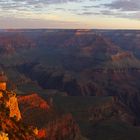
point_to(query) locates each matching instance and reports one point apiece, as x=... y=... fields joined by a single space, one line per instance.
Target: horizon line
x=29 y=28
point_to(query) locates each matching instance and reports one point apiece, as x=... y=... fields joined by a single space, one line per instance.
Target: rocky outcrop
x=33 y=101
x=51 y=124
x=12 y=104
x=11 y=125
x=34 y=110
x=64 y=128
x=3 y=136
x=9 y=44
x=112 y=110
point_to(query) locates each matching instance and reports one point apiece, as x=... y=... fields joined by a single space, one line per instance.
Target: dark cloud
x=124 y=5
x=116 y=8
x=123 y=8
x=114 y=14
x=91 y=6
x=88 y=13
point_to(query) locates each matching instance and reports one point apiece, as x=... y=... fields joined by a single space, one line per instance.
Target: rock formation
x=64 y=128
x=51 y=124
x=11 y=125
x=12 y=104
x=3 y=136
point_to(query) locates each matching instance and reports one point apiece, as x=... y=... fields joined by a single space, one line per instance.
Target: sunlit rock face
x=11 y=124
x=3 y=136
x=12 y=104
x=10 y=98
x=33 y=101
x=3 y=86
x=3 y=80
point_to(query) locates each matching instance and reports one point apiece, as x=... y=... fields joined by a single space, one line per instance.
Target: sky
x=81 y=14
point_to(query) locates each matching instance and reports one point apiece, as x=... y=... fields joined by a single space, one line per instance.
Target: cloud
x=123 y=8
x=30 y=4
x=115 y=8
x=36 y=8
x=124 y=5
x=34 y=2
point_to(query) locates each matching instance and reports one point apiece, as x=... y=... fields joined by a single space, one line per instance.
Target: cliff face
x=10 y=43
x=12 y=104
x=34 y=110
x=64 y=128
x=33 y=101
x=51 y=124
x=112 y=110
x=3 y=136
x=11 y=125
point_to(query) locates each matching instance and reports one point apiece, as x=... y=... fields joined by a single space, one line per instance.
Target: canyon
x=74 y=84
